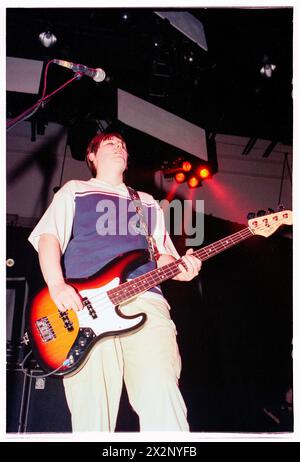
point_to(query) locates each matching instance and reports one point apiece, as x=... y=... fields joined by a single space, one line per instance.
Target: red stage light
x=203 y=172
x=180 y=177
x=186 y=166
x=193 y=182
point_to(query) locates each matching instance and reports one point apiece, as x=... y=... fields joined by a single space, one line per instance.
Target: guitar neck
x=132 y=288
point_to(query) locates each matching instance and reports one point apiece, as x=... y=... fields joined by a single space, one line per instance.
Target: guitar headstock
x=268 y=224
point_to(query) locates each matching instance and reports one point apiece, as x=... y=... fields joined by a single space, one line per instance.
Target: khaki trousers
x=149 y=362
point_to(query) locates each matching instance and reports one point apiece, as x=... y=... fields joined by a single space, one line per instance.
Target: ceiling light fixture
x=268 y=68
x=47 y=38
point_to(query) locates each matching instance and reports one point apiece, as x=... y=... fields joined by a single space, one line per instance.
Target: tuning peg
x=261 y=213
x=270 y=210
x=280 y=207
x=250 y=215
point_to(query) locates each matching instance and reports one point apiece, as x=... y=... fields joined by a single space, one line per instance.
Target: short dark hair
x=94 y=144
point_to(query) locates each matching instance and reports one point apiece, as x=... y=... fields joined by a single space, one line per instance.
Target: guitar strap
x=153 y=251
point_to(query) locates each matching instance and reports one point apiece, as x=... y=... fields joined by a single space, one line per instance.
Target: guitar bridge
x=45 y=329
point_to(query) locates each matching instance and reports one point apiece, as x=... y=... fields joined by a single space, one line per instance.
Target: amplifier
x=35 y=404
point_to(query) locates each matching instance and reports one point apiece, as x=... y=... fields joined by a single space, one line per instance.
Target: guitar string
x=167 y=270
x=216 y=248
x=55 y=346
x=61 y=329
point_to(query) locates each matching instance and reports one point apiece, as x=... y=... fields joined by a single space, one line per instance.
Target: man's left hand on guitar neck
x=189 y=271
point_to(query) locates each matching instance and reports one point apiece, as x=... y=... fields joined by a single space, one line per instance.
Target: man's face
x=111 y=154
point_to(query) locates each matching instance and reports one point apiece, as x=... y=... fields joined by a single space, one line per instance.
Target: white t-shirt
x=94 y=222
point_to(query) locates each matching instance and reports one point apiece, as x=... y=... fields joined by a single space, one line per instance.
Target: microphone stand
x=41 y=102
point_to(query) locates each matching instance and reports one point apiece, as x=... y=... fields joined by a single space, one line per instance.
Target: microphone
x=97 y=74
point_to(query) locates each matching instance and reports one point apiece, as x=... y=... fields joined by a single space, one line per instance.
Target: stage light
x=180 y=177
x=193 y=182
x=171 y=167
x=186 y=166
x=203 y=173
x=193 y=172
x=268 y=68
x=47 y=38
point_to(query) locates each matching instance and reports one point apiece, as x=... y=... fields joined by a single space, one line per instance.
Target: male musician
x=89 y=223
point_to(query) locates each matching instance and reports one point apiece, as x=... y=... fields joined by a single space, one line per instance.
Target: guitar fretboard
x=130 y=289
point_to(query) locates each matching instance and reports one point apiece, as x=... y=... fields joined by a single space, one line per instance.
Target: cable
x=35 y=107
x=41 y=102
x=23 y=115
x=24 y=370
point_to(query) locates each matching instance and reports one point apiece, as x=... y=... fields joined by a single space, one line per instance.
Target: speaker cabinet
x=36 y=404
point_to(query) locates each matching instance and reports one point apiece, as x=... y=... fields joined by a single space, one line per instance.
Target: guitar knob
x=82 y=341
x=280 y=207
x=87 y=333
x=270 y=210
x=250 y=215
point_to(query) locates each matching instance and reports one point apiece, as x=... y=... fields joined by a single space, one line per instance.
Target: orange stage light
x=180 y=177
x=203 y=172
x=193 y=182
x=186 y=166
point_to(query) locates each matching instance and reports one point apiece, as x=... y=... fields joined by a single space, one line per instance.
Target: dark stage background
x=234 y=326
x=234 y=321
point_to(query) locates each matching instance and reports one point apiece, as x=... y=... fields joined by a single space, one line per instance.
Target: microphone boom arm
x=33 y=109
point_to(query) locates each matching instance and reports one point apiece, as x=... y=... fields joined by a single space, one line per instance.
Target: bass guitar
x=62 y=341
